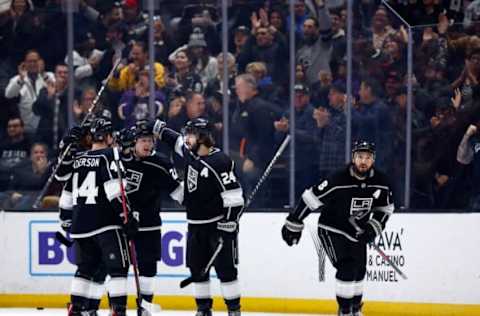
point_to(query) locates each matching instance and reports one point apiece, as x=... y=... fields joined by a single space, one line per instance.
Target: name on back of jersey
x=86 y=162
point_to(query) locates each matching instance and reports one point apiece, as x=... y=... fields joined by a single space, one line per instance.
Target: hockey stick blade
x=63 y=240
x=206 y=270
x=186 y=282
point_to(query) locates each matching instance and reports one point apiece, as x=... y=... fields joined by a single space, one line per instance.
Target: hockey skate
x=344 y=313
x=143 y=312
x=204 y=313
x=234 y=313
x=118 y=311
x=77 y=310
x=357 y=310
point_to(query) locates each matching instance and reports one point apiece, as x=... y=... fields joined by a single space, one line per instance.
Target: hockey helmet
x=143 y=128
x=363 y=145
x=100 y=128
x=202 y=128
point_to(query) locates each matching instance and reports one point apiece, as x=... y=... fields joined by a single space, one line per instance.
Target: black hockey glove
x=130 y=228
x=158 y=127
x=292 y=231
x=127 y=138
x=73 y=137
x=367 y=235
x=66 y=225
x=227 y=230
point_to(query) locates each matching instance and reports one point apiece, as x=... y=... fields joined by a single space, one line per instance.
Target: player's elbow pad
x=311 y=200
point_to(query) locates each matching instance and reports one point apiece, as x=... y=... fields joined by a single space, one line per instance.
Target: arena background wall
x=438 y=252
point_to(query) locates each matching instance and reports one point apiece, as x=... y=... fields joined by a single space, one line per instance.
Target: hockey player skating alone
x=357 y=195
x=213 y=198
x=148 y=175
x=97 y=223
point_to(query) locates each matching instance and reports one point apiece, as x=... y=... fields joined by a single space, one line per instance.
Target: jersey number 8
x=87 y=189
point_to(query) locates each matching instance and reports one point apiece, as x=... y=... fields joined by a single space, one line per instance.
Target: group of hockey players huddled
x=110 y=207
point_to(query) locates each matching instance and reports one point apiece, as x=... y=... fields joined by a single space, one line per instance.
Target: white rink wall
x=438 y=252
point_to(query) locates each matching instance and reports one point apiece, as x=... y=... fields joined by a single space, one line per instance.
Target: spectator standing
x=265 y=45
x=126 y=78
x=372 y=121
x=86 y=59
x=203 y=64
x=316 y=51
x=182 y=77
x=330 y=132
x=27 y=85
x=52 y=108
x=253 y=129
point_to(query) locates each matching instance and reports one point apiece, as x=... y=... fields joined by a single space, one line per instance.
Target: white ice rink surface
x=63 y=312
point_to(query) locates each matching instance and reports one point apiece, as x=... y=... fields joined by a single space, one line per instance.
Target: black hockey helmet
x=143 y=128
x=100 y=128
x=203 y=129
x=363 y=145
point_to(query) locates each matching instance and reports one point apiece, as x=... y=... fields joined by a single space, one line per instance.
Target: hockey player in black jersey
x=97 y=222
x=356 y=196
x=148 y=176
x=214 y=199
x=80 y=140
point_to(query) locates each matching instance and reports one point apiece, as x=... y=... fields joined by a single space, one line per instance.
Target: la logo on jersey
x=134 y=178
x=360 y=206
x=192 y=177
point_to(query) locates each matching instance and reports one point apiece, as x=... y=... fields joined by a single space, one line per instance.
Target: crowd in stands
x=187 y=74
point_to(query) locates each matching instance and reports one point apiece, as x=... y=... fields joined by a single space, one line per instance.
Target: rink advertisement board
x=438 y=252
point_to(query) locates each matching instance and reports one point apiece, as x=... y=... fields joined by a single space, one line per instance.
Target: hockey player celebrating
x=213 y=199
x=148 y=176
x=97 y=222
x=355 y=203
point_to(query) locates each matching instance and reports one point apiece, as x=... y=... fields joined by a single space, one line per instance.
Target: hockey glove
x=292 y=231
x=66 y=225
x=127 y=138
x=130 y=228
x=74 y=135
x=370 y=232
x=227 y=230
x=158 y=127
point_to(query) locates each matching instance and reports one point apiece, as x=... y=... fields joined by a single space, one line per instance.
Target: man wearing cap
x=240 y=37
x=304 y=137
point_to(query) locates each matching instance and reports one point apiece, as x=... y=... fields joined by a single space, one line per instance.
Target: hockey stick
x=141 y=303
x=63 y=240
x=380 y=251
x=320 y=253
x=64 y=154
x=266 y=173
x=206 y=270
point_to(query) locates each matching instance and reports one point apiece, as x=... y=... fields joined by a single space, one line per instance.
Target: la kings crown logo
x=134 y=178
x=192 y=177
x=360 y=206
